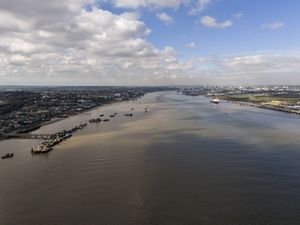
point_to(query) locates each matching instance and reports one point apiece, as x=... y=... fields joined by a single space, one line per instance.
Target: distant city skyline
x=149 y=42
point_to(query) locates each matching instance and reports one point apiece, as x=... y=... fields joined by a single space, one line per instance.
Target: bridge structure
x=27 y=136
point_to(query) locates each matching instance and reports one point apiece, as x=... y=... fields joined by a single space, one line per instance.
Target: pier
x=28 y=136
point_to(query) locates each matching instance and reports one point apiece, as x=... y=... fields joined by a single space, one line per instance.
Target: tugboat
x=7 y=155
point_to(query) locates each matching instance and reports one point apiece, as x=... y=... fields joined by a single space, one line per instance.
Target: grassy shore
x=278 y=103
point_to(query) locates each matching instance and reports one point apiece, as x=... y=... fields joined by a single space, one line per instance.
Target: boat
x=7 y=155
x=41 y=149
x=37 y=149
x=215 y=100
x=58 y=137
x=68 y=135
x=82 y=125
x=98 y=120
x=128 y=114
x=46 y=149
x=51 y=143
x=113 y=115
x=101 y=115
x=105 y=120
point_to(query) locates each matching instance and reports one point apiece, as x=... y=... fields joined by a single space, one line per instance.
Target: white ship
x=215 y=100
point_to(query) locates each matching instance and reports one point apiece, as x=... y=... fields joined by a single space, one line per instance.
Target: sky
x=150 y=42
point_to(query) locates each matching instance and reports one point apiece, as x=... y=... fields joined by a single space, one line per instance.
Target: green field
x=263 y=99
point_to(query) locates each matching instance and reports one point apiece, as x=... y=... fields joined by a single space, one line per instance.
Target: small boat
x=7 y=155
x=41 y=149
x=101 y=115
x=113 y=115
x=128 y=114
x=36 y=149
x=105 y=120
x=215 y=100
x=98 y=120
x=68 y=135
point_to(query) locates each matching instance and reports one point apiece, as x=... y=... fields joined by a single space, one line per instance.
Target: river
x=184 y=162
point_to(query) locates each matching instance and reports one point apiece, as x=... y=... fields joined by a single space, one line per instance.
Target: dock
x=27 y=136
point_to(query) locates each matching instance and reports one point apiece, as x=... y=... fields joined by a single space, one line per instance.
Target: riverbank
x=58 y=119
x=279 y=108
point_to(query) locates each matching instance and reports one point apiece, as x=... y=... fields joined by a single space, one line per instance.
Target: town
x=24 y=109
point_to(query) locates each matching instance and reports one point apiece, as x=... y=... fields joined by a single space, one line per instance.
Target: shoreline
x=250 y=104
x=57 y=119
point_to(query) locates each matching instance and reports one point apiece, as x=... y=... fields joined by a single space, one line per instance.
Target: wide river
x=185 y=162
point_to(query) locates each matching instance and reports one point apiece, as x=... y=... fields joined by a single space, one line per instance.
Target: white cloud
x=249 y=69
x=190 y=45
x=147 y=3
x=165 y=18
x=195 y=5
x=57 y=42
x=263 y=63
x=200 y=5
x=238 y=15
x=273 y=26
x=211 y=22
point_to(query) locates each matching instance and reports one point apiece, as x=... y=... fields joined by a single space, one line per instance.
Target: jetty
x=28 y=136
x=54 y=139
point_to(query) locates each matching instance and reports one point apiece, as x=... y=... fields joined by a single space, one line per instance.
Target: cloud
x=252 y=69
x=62 y=43
x=211 y=22
x=200 y=5
x=190 y=45
x=165 y=18
x=238 y=15
x=58 y=42
x=134 y=4
x=262 y=63
x=195 y=5
x=273 y=26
